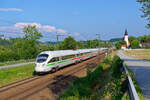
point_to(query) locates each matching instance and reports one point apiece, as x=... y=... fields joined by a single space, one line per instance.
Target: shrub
x=135 y=44
x=118 y=45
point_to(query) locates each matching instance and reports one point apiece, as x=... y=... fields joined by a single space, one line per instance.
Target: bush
x=135 y=44
x=118 y=45
x=6 y=54
x=104 y=81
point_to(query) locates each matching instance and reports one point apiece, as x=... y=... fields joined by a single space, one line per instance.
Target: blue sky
x=81 y=19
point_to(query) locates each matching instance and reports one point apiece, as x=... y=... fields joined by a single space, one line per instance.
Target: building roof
x=126 y=32
x=145 y=44
x=59 y=53
x=124 y=46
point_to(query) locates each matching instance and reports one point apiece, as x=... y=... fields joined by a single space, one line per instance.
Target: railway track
x=23 y=89
x=17 y=83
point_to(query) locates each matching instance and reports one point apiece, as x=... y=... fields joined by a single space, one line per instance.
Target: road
x=141 y=68
x=15 y=65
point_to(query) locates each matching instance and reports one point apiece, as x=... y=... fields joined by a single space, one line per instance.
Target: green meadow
x=15 y=74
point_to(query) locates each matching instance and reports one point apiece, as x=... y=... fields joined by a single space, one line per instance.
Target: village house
x=145 y=45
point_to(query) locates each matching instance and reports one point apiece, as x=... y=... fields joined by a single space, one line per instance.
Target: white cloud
x=11 y=10
x=61 y=31
x=22 y=25
x=76 y=34
x=43 y=28
x=17 y=28
x=48 y=28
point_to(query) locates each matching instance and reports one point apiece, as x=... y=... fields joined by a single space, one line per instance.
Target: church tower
x=126 y=38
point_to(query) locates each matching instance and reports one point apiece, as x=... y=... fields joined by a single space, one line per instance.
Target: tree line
x=134 y=41
x=29 y=47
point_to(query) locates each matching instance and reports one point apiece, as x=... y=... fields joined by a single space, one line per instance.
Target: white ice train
x=52 y=60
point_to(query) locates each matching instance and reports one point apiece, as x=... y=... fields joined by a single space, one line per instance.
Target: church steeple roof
x=126 y=32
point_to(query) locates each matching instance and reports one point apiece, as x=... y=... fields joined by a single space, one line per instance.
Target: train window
x=42 y=57
x=83 y=54
x=87 y=52
x=54 y=59
x=67 y=57
x=78 y=55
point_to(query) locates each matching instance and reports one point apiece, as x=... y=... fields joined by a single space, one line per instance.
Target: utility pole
x=57 y=37
x=98 y=39
x=98 y=42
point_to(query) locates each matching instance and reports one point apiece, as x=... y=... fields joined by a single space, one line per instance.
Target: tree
x=18 y=46
x=95 y=43
x=135 y=44
x=123 y=42
x=132 y=38
x=88 y=44
x=6 y=54
x=146 y=10
x=31 y=36
x=68 y=43
x=118 y=45
x=92 y=43
x=31 y=32
x=145 y=39
x=80 y=45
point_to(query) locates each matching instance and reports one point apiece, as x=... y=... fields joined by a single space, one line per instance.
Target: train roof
x=59 y=53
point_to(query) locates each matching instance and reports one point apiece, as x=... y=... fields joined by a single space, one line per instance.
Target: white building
x=125 y=38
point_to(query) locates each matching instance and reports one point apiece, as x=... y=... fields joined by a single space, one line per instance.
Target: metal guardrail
x=132 y=91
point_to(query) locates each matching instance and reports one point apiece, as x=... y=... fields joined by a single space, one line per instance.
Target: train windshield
x=41 y=58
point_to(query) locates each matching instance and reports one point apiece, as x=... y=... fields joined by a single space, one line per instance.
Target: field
x=14 y=74
x=140 y=54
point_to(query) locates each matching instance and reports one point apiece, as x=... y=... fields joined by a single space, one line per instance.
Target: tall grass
x=105 y=82
x=17 y=73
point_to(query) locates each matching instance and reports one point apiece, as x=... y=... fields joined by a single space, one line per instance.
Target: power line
x=57 y=36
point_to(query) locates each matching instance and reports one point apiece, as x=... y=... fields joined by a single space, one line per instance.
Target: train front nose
x=41 y=62
x=40 y=67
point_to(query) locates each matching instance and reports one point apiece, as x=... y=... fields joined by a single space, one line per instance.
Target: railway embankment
x=48 y=86
x=107 y=81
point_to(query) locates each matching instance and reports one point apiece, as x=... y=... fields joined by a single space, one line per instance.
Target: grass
x=106 y=82
x=140 y=54
x=16 y=62
x=14 y=74
x=137 y=87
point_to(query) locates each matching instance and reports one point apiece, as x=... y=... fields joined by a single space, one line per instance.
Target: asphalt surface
x=141 y=69
x=15 y=65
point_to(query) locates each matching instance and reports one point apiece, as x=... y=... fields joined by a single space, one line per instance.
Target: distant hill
x=111 y=40
x=115 y=39
x=50 y=42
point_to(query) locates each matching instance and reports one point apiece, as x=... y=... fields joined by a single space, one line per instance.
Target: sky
x=82 y=19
